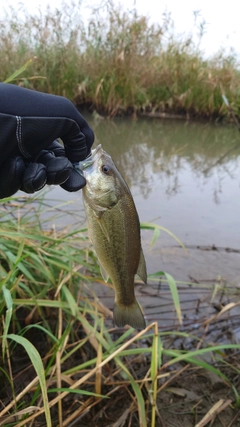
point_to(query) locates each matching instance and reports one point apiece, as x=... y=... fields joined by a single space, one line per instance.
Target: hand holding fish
x=30 y=155
x=114 y=230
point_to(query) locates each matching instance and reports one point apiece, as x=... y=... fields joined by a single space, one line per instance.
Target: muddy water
x=181 y=179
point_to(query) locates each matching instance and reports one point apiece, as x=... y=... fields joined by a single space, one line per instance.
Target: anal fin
x=142 y=270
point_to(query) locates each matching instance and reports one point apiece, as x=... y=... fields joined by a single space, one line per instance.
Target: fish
x=114 y=230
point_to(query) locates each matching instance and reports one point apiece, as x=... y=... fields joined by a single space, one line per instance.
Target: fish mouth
x=93 y=156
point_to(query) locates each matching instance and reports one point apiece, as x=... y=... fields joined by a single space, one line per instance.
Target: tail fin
x=129 y=315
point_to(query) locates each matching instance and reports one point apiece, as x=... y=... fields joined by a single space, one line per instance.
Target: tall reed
x=117 y=62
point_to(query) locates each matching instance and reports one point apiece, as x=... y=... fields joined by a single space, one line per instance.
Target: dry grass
x=117 y=65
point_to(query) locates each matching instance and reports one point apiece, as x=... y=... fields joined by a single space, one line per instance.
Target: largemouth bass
x=114 y=230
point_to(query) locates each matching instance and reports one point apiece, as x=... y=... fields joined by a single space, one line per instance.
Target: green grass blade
x=41 y=328
x=121 y=339
x=175 y=296
x=17 y=73
x=206 y=366
x=38 y=366
x=9 y=304
x=71 y=300
x=138 y=394
x=236 y=393
x=154 y=227
x=179 y=356
x=156 y=234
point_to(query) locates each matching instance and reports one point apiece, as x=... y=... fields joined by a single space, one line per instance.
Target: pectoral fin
x=104 y=274
x=103 y=226
x=142 y=270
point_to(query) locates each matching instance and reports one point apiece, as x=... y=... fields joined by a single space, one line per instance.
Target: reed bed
x=62 y=361
x=117 y=62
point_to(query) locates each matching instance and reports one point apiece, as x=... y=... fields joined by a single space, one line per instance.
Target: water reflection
x=146 y=150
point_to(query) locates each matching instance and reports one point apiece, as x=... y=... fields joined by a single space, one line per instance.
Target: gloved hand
x=30 y=155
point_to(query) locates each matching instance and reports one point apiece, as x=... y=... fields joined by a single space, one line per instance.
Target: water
x=178 y=182
x=169 y=168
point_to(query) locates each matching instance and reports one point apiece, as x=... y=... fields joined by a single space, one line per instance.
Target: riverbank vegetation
x=117 y=62
x=63 y=362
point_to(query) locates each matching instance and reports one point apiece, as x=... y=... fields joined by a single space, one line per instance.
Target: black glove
x=30 y=156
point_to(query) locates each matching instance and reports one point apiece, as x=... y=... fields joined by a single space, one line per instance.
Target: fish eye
x=106 y=169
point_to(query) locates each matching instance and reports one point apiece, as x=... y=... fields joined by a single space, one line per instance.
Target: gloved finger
x=11 y=175
x=75 y=182
x=58 y=169
x=34 y=178
x=57 y=149
x=75 y=154
x=76 y=149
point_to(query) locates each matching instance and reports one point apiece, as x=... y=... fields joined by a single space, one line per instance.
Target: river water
x=182 y=179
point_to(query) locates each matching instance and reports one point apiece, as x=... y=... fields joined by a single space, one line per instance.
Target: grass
x=78 y=366
x=118 y=64
x=62 y=361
